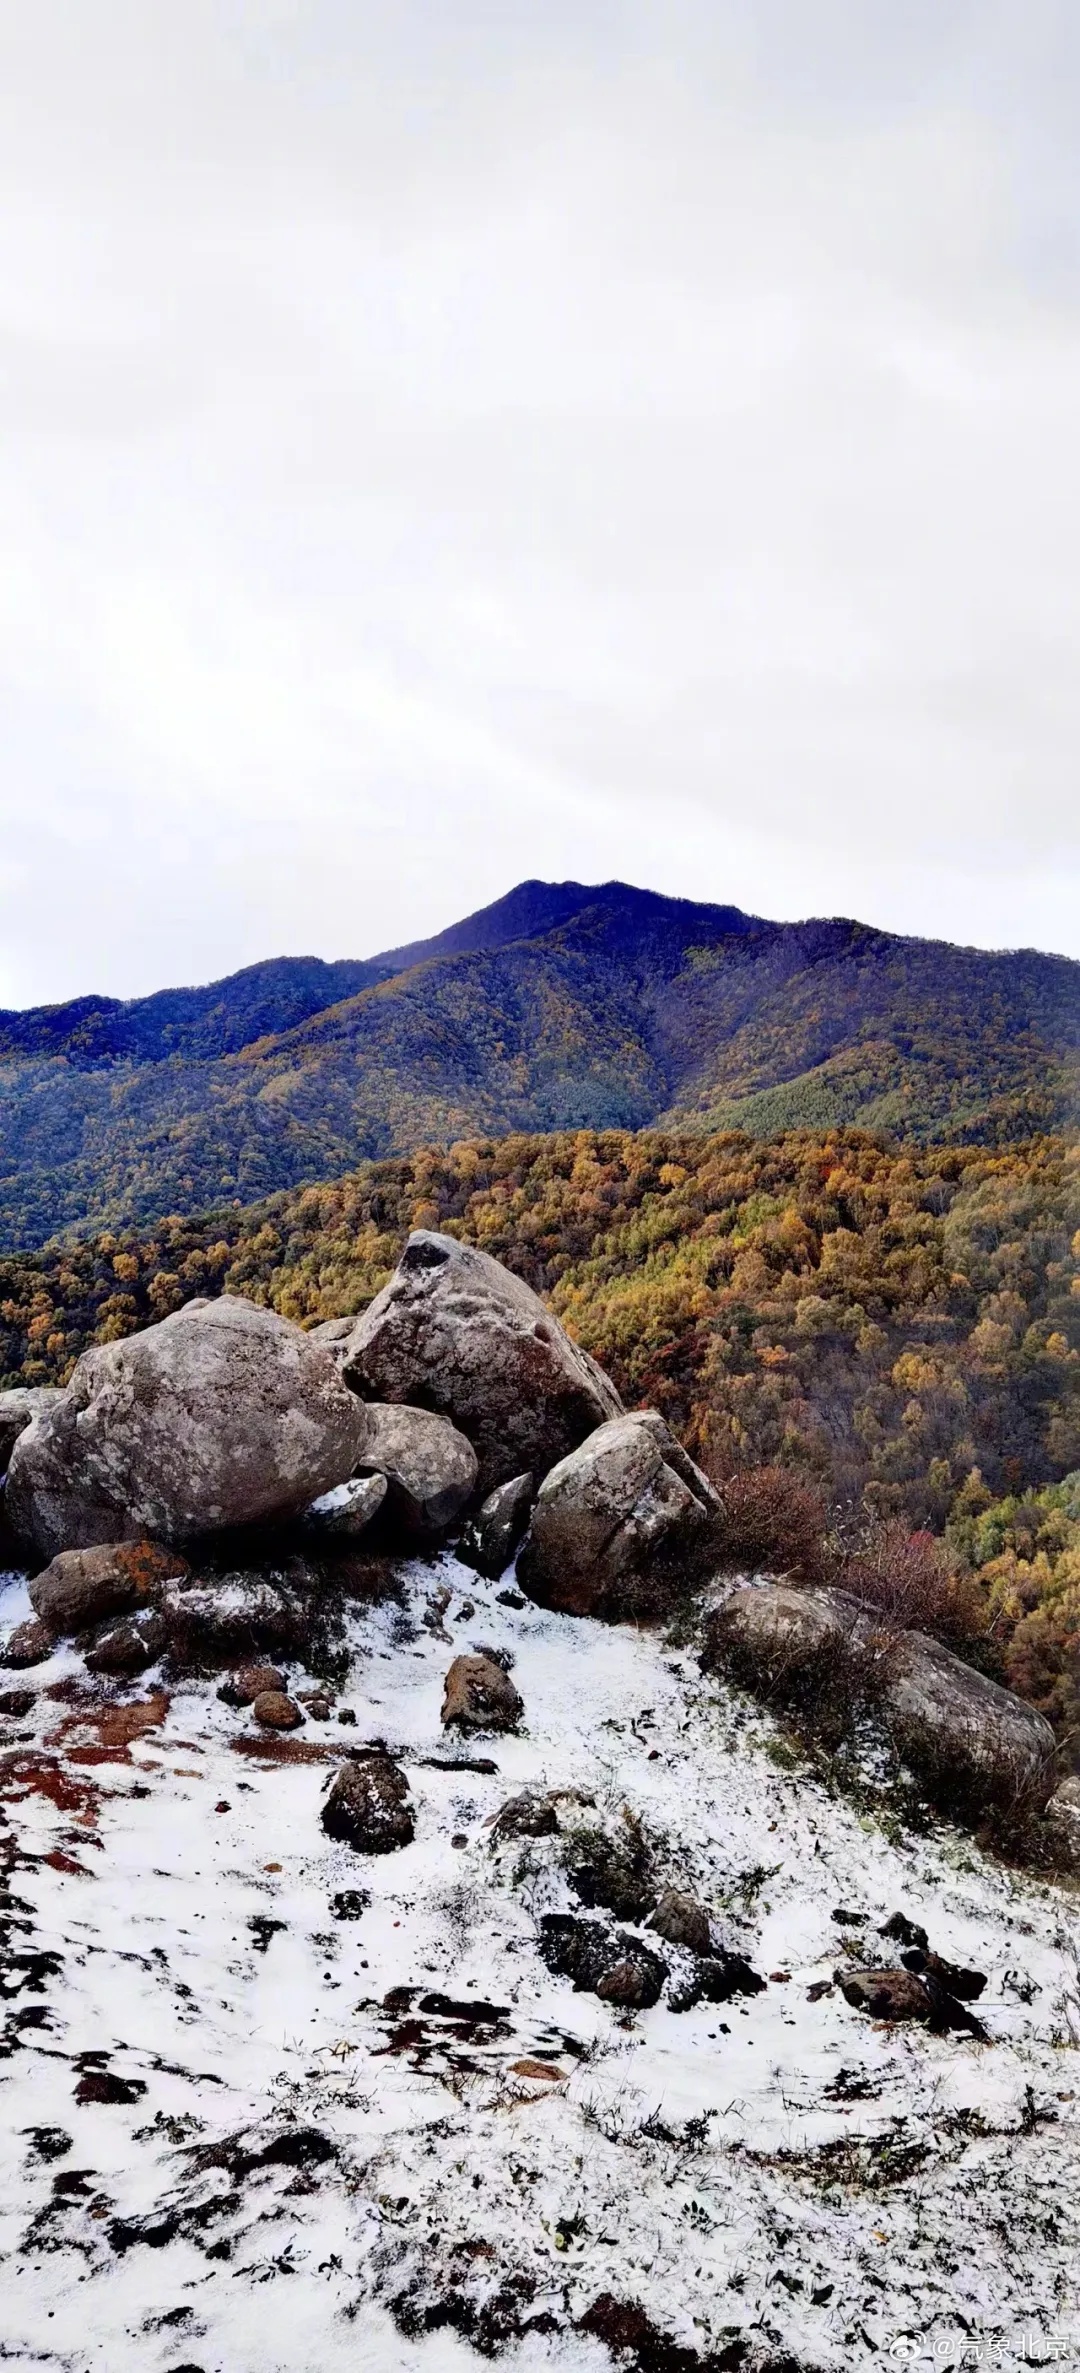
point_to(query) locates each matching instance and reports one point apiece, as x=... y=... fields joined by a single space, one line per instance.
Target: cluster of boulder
x=455 y=1406
x=455 y=1400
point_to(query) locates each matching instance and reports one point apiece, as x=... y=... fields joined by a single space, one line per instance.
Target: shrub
x=913 y=1579
x=774 y=1524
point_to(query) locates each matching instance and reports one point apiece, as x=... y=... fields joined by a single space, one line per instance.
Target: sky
x=448 y=441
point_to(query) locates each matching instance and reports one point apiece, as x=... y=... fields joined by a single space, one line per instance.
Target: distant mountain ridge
x=563 y=1005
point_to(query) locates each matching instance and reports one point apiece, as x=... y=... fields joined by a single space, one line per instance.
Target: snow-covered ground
x=778 y=2168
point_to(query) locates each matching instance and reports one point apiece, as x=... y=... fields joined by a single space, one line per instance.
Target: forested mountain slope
x=560 y=1007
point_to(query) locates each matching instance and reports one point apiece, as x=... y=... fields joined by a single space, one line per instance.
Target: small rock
x=274 y=1710
x=17 y=1702
x=347 y=1511
x=490 y=1539
x=884 y=1993
x=368 y=1806
x=966 y=1984
x=480 y=1696
x=250 y=1681
x=350 y=1903
x=682 y=1920
x=601 y=1961
x=525 y=1816
x=501 y=1656
x=129 y=1646
x=348 y=1716
x=317 y=1705
x=511 y=1598
x=28 y=1644
x=99 y=2084
x=905 y=1931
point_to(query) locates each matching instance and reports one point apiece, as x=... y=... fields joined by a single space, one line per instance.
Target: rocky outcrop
x=368 y=1806
x=82 y=1587
x=222 y=1415
x=457 y=1333
x=18 y=1407
x=428 y=1468
x=480 y=1696
x=490 y=1539
x=623 y=1527
x=976 y=1748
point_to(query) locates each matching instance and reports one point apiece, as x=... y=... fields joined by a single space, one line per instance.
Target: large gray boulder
x=622 y=1527
x=976 y=1748
x=17 y=1409
x=455 y=1332
x=428 y=1467
x=222 y=1415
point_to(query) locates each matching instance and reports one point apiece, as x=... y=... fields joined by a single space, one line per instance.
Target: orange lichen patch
x=279 y=1750
x=116 y=1726
x=66 y=1863
x=33 y=1774
x=538 y=2070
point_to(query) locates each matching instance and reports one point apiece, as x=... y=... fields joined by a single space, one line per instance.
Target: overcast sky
x=443 y=441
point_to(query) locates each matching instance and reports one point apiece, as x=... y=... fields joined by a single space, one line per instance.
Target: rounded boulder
x=222 y=1415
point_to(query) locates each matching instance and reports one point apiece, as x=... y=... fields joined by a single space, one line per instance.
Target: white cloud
x=439 y=446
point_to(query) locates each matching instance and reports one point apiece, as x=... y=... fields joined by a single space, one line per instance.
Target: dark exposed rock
x=130 y=1645
x=480 y=1696
x=236 y=1617
x=429 y=1468
x=100 y=2084
x=885 y=1993
x=248 y=1682
x=966 y=1984
x=682 y=1920
x=638 y=2345
x=455 y=1332
x=221 y=1415
x=350 y=1903
x=491 y=1537
x=28 y=1644
x=905 y=1931
x=368 y=1806
x=274 y=1710
x=17 y=1702
x=623 y=1527
x=901 y=1994
x=525 y=1816
x=85 y=1586
x=599 y=1960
